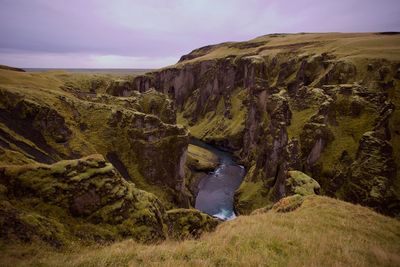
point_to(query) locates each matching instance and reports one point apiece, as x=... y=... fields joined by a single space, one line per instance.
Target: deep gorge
x=299 y=106
x=285 y=128
x=217 y=188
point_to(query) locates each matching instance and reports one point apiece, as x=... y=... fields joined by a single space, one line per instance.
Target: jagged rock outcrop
x=372 y=173
x=136 y=133
x=287 y=102
x=86 y=199
x=38 y=196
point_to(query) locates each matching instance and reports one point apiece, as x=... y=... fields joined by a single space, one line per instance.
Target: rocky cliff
x=77 y=163
x=324 y=104
x=86 y=200
x=46 y=123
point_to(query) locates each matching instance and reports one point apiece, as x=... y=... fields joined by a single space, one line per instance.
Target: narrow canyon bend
x=217 y=188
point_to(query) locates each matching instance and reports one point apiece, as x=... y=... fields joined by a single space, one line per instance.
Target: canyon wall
x=324 y=104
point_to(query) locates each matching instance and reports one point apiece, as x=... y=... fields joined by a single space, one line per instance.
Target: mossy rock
x=120 y=87
x=200 y=159
x=51 y=117
x=87 y=189
x=28 y=226
x=301 y=184
x=372 y=174
x=189 y=223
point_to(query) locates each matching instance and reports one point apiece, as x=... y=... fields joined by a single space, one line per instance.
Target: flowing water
x=217 y=189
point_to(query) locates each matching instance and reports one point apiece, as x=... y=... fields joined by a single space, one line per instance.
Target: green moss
x=16 y=154
x=45 y=228
x=252 y=193
x=154 y=102
x=301 y=184
x=8 y=156
x=92 y=172
x=299 y=119
x=346 y=137
x=100 y=233
x=201 y=159
x=20 y=224
x=104 y=198
x=214 y=125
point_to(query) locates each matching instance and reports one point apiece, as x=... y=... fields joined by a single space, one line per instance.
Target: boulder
x=301 y=184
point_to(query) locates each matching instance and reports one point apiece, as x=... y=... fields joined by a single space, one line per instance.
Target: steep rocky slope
x=86 y=200
x=324 y=104
x=78 y=164
x=46 y=119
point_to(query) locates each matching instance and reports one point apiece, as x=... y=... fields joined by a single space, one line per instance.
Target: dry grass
x=344 y=45
x=322 y=232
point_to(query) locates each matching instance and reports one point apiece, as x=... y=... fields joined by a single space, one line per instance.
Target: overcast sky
x=155 y=33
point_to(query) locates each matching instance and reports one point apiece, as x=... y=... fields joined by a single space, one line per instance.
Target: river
x=217 y=189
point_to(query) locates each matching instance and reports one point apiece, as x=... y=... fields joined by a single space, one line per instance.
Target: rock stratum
x=324 y=104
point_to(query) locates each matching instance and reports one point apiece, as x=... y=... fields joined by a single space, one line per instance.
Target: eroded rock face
x=40 y=123
x=88 y=188
x=298 y=110
x=137 y=133
x=372 y=174
x=55 y=203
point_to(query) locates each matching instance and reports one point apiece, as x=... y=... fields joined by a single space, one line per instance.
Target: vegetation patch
x=201 y=159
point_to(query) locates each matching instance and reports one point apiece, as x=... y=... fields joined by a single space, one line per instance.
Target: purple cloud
x=150 y=32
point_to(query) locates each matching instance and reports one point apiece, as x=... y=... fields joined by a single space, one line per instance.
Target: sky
x=155 y=33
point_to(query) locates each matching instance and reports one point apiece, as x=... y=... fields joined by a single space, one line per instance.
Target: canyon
x=281 y=132
x=323 y=104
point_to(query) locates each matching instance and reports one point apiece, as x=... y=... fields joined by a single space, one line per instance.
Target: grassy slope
x=344 y=45
x=322 y=232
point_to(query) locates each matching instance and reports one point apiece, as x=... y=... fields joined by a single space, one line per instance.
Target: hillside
x=321 y=232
